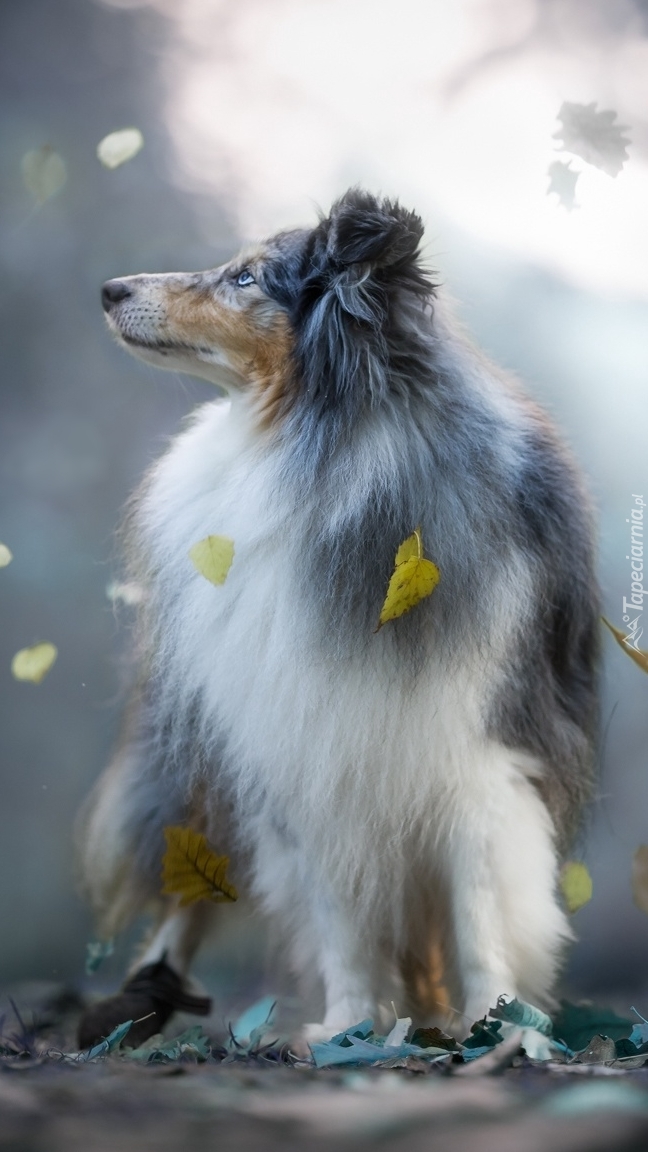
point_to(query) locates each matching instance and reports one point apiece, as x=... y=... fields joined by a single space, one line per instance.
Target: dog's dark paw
x=149 y=998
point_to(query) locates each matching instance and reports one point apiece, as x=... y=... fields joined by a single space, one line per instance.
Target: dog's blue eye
x=244 y=278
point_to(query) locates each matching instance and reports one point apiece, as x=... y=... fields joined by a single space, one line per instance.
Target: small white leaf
x=6 y=556
x=118 y=147
x=399 y=1032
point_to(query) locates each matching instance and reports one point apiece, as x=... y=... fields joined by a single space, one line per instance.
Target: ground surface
x=501 y=1103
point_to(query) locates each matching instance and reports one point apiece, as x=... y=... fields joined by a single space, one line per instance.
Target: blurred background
x=253 y=113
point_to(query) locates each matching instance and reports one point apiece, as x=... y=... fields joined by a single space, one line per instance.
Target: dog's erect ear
x=356 y=265
x=364 y=230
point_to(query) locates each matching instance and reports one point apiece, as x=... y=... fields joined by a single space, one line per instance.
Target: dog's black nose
x=113 y=291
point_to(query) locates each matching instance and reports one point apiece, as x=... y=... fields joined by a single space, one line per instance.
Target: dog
x=389 y=796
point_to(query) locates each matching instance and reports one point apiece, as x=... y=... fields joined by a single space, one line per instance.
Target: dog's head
x=310 y=314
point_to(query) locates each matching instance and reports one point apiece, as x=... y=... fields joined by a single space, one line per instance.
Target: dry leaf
x=413 y=579
x=34 y=663
x=640 y=877
x=593 y=136
x=639 y=656
x=44 y=172
x=576 y=885
x=213 y=557
x=191 y=869
x=6 y=556
x=562 y=183
x=118 y=147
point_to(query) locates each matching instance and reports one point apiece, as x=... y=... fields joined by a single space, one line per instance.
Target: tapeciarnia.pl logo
x=630 y=606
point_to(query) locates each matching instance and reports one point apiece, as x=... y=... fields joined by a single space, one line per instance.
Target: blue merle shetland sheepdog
x=393 y=796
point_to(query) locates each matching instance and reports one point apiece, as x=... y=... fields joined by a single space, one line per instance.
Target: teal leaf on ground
x=253 y=1023
x=363 y=1031
x=576 y=1024
x=474 y=1053
x=359 y=1051
x=484 y=1034
x=524 y=1015
x=110 y=1043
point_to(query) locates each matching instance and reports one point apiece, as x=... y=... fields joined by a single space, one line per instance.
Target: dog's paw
x=310 y=1034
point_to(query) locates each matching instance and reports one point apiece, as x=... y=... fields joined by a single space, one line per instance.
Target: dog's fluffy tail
x=116 y=888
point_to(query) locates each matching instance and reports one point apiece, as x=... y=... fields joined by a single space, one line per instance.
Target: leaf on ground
x=562 y=183
x=399 y=1031
x=576 y=1024
x=592 y=135
x=118 y=147
x=639 y=1034
x=484 y=1034
x=44 y=173
x=6 y=556
x=639 y=656
x=112 y=1041
x=34 y=663
x=575 y=885
x=600 y=1050
x=358 y=1051
x=522 y=1014
x=213 y=557
x=96 y=952
x=412 y=580
x=640 y=877
x=192 y=1044
x=433 y=1038
x=192 y=870
x=252 y=1024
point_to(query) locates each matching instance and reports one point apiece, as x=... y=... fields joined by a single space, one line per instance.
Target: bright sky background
x=450 y=104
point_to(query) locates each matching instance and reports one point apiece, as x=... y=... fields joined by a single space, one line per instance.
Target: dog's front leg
x=509 y=929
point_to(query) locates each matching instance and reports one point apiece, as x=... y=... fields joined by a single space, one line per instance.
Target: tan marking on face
x=254 y=333
x=273 y=372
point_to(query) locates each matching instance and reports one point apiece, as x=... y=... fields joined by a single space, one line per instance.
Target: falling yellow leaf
x=34 y=663
x=413 y=579
x=576 y=885
x=44 y=172
x=191 y=869
x=118 y=147
x=6 y=556
x=213 y=557
x=640 y=877
x=639 y=656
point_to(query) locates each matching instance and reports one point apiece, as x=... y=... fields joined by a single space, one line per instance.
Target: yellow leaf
x=34 y=663
x=412 y=580
x=118 y=147
x=191 y=869
x=576 y=885
x=413 y=546
x=637 y=654
x=6 y=556
x=213 y=557
x=44 y=172
x=640 y=877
